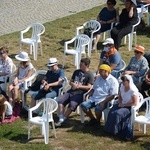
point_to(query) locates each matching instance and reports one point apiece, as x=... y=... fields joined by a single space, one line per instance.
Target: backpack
x=88 y=31
x=37 y=83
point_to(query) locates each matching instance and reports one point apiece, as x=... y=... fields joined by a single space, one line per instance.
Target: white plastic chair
x=104 y=112
x=108 y=31
x=119 y=72
x=37 y=30
x=26 y=83
x=142 y=119
x=130 y=36
x=7 y=78
x=95 y=26
x=144 y=10
x=80 y=41
x=49 y=107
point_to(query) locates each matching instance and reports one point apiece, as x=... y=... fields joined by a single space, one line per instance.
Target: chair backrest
x=93 y=24
x=37 y=30
x=13 y=69
x=82 y=41
x=49 y=107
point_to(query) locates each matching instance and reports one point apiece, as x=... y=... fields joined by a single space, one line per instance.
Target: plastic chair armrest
x=79 y=28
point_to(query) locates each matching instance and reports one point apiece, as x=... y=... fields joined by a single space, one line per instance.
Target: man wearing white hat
x=110 y=56
x=51 y=83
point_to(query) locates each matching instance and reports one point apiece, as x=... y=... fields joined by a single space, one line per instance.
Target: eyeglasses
x=137 y=52
x=109 y=3
x=124 y=80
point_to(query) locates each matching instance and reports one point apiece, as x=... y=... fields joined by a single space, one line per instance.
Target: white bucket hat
x=22 y=56
x=108 y=41
x=52 y=62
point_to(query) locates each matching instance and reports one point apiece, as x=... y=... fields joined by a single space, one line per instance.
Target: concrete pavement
x=16 y=15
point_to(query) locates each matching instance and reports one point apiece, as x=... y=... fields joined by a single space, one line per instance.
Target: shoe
x=59 y=123
x=91 y=123
x=97 y=126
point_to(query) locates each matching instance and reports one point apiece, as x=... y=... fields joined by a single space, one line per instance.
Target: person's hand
x=101 y=105
x=127 y=72
x=46 y=87
x=74 y=86
x=120 y=105
x=132 y=6
x=15 y=82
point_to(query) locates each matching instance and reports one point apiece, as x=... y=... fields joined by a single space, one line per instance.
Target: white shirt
x=9 y=108
x=127 y=96
x=104 y=88
x=6 y=67
x=24 y=71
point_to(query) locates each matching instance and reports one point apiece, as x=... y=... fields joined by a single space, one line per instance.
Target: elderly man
x=81 y=81
x=110 y=56
x=105 y=88
x=51 y=83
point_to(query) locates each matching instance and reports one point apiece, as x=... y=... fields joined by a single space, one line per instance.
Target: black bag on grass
x=37 y=83
x=88 y=31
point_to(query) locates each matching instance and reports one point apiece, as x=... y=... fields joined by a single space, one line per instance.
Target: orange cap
x=140 y=48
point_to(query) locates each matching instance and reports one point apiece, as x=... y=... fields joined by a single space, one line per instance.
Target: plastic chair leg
x=54 y=129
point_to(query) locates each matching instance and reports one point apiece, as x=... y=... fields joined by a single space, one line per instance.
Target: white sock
x=61 y=117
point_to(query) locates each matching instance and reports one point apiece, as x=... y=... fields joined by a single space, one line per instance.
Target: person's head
x=129 y=3
x=52 y=64
x=3 y=52
x=104 y=70
x=23 y=58
x=139 y=51
x=84 y=64
x=2 y=100
x=126 y=80
x=111 y=3
x=108 y=44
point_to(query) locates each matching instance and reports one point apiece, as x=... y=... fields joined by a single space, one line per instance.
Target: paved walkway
x=16 y=15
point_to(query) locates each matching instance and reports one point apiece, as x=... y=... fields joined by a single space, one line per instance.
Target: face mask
x=106 y=49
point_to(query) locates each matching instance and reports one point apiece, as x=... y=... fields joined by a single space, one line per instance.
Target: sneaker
x=91 y=122
x=59 y=123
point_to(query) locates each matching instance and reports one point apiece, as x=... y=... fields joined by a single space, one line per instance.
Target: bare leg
x=88 y=113
x=68 y=112
x=98 y=115
x=33 y=103
x=96 y=42
x=61 y=109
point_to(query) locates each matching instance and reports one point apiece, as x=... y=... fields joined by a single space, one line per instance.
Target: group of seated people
x=122 y=23
x=103 y=88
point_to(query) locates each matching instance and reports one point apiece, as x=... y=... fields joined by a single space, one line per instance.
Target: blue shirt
x=112 y=59
x=52 y=76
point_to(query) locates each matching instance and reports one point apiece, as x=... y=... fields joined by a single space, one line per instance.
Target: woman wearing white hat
x=25 y=69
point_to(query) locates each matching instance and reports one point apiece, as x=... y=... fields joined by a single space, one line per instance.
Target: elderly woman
x=106 y=16
x=119 y=117
x=138 y=65
x=127 y=18
x=25 y=70
x=111 y=56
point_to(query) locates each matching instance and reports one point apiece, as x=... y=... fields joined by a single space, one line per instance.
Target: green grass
x=74 y=135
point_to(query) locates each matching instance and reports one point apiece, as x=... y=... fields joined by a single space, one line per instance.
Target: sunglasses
x=137 y=52
x=2 y=53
